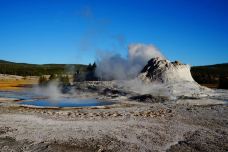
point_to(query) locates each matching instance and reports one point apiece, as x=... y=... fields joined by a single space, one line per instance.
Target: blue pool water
x=67 y=103
x=29 y=98
x=17 y=94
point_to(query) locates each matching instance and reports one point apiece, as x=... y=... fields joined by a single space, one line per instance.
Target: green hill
x=217 y=69
x=24 y=69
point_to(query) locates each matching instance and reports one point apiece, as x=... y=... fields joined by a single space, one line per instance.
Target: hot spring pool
x=30 y=99
x=66 y=103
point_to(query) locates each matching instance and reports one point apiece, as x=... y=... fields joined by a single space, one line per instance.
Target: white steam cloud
x=113 y=66
x=51 y=91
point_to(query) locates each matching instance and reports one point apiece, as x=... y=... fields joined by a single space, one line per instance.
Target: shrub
x=64 y=80
x=52 y=77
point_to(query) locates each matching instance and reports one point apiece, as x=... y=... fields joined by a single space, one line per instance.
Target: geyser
x=115 y=67
x=148 y=71
x=174 y=76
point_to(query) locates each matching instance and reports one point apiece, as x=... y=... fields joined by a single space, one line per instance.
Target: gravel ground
x=128 y=125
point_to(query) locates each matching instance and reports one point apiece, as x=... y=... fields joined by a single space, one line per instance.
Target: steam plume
x=51 y=91
x=113 y=66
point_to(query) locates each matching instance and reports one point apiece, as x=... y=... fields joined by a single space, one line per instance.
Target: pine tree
x=94 y=66
x=43 y=81
x=52 y=77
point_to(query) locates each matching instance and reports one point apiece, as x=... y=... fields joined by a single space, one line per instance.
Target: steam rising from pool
x=51 y=91
x=29 y=99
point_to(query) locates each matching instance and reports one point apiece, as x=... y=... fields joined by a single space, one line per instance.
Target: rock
x=108 y=91
x=149 y=98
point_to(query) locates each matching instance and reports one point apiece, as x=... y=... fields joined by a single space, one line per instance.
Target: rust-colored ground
x=17 y=84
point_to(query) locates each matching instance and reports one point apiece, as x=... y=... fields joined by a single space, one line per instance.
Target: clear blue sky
x=72 y=31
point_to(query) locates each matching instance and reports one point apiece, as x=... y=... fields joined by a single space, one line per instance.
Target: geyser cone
x=173 y=75
x=161 y=70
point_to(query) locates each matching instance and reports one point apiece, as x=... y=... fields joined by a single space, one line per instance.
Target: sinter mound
x=174 y=75
x=158 y=69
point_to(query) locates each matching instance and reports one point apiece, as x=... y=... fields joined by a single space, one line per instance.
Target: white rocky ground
x=141 y=123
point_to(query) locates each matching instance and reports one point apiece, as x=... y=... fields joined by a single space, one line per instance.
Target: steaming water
x=31 y=99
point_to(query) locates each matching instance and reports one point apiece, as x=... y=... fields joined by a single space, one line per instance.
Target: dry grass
x=17 y=84
x=213 y=86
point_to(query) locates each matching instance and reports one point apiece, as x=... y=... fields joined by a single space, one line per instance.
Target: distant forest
x=24 y=69
x=214 y=75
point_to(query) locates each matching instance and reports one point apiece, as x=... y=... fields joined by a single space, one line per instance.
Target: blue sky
x=72 y=31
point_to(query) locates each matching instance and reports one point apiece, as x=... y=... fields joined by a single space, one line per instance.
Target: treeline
x=88 y=75
x=212 y=74
x=24 y=69
x=63 y=80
